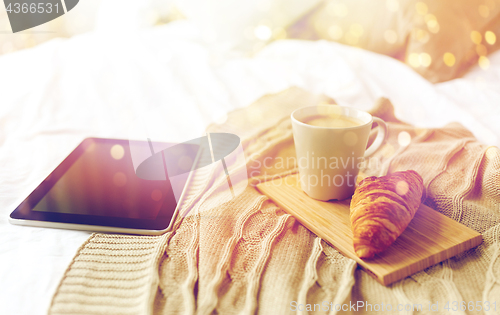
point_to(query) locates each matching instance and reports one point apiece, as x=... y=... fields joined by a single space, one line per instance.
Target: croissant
x=382 y=208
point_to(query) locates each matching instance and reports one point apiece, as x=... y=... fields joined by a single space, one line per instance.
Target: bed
x=56 y=94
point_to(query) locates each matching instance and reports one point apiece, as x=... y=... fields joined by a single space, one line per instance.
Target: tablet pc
x=95 y=188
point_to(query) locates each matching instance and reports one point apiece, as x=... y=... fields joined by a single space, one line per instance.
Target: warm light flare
x=484 y=62
x=263 y=32
x=476 y=37
x=156 y=195
x=449 y=59
x=390 y=36
x=356 y=29
x=351 y=39
x=425 y=59
x=421 y=8
x=392 y=5
x=117 y=152
x=335 y=32
x=338 y=9
x=414 y=60
x=433 y=26
x=484 y=11
x=490 y=37
x=481 y=50
x=430 y=17
x=402 y=188
x=404 y=138
x=422 y=36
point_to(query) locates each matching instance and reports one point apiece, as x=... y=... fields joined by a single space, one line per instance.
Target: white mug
x=329 y=156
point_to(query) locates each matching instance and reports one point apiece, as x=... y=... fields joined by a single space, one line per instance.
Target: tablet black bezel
x=25 y=210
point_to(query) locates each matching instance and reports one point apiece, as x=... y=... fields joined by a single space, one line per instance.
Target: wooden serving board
x=429 y=238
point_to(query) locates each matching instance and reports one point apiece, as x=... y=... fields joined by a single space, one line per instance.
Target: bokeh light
x=432 y=25
x=119 y=179
x=117 y=152
x=404 y=138
x=351 y=39
x=422 y=36
x=335 y=32
x=449 y=59
x=390 y=36
x=402 y=188
x=481 y=50
x=279 y=33
x=484 y=62
x=476 y=37
x=263 y=32
x=490 y=37
x=492 y=152
x=429 y=17
x=91 y=147
x=356 y=29
x=490 y=3
x=421 y=8
x=414 y=60
x=425 y=59
x=484 y=11
x=392 y=5
x=263 y=5
x=156 y=195
x=338 y=9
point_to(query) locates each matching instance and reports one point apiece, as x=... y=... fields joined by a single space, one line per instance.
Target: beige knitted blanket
x=245 y=255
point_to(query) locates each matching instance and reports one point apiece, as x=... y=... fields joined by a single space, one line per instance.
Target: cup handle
x=381 y=137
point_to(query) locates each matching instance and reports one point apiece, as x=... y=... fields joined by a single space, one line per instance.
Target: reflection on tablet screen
x=102 y=182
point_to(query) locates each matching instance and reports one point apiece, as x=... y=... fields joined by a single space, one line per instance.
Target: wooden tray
x=429 y=238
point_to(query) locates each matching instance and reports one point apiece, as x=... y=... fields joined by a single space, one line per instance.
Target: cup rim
x=331 y=128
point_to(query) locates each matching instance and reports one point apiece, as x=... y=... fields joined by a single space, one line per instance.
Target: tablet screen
x=102 y=182
x=97 y=185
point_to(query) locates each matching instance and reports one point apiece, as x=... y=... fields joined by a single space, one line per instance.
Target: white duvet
x=55 y=95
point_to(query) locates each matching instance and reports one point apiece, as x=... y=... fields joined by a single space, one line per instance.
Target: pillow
x=440 y=39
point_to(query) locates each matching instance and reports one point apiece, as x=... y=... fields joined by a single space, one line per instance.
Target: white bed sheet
x=53 y=96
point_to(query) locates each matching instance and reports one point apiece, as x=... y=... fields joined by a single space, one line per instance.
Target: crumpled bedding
x=55 y=95
x=245 y=255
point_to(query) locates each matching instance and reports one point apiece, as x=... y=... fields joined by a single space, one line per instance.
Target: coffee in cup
x=330 y=142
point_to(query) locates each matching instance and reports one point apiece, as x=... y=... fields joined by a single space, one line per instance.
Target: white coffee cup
x=330 y=142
